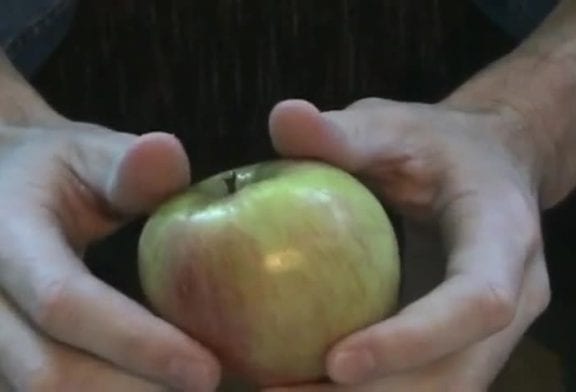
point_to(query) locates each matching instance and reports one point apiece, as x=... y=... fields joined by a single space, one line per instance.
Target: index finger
x=29 y=361
x=59 y=295
x=490 y=243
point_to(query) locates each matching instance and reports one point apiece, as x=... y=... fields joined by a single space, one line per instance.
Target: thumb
x=347 y=138
x=385 y=143
x=133 y=174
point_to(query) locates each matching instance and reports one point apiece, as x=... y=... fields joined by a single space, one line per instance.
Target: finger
x=349 y=138
x=374 y=140
x=477 y=299
x=483 y=280
x=298 y=130
x=65 y=301
x=30 y=362
x=491 y=353
x=471 y=370
x=133 y=174
x=475 y=368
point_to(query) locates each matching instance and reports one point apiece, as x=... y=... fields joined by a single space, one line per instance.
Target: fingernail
x=193 y=376
x=351 y=367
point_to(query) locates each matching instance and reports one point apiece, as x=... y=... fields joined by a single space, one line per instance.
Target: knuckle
x=369 y=102
x=519 y=220
x=497 y=305
x=539 y=293
x=70 y=149
x=524 y=225
x=408 y=345
x=532 y=236
x=540 y=300
x=134 y=344
x=402 y=118
x=396 y=117
x=53 y=303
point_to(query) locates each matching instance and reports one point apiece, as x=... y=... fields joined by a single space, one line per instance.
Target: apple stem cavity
x=232 y=183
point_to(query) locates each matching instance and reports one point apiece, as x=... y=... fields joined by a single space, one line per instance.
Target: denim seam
x=33 y=29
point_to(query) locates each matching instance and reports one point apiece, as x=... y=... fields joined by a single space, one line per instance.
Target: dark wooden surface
x=210 y=71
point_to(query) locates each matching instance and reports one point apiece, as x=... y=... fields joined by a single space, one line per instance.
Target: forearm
x=20 y=104
x=536 y=85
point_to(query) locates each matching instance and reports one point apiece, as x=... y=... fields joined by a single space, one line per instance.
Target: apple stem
x=231 y=183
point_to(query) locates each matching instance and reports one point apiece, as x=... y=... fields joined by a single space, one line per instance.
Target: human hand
x=62 y=187
x=472 y=369
x=455 y=169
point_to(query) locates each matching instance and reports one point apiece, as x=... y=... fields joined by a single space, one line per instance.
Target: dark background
x=209 y=71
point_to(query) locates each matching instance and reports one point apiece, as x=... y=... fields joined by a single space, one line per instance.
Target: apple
x=270 y=264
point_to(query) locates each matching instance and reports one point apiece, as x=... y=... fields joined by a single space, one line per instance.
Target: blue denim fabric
x=518 y=17
x=31 y=29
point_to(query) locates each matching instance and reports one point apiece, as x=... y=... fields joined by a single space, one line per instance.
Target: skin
x=65 y=184
x=477 y=168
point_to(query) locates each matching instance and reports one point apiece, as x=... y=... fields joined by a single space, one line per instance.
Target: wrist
x=535 y=94
x=535 y=86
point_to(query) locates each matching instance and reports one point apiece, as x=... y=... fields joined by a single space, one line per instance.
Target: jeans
x=30 y=30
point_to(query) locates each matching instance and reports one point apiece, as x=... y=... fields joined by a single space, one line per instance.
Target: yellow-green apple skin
x=270 y=265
